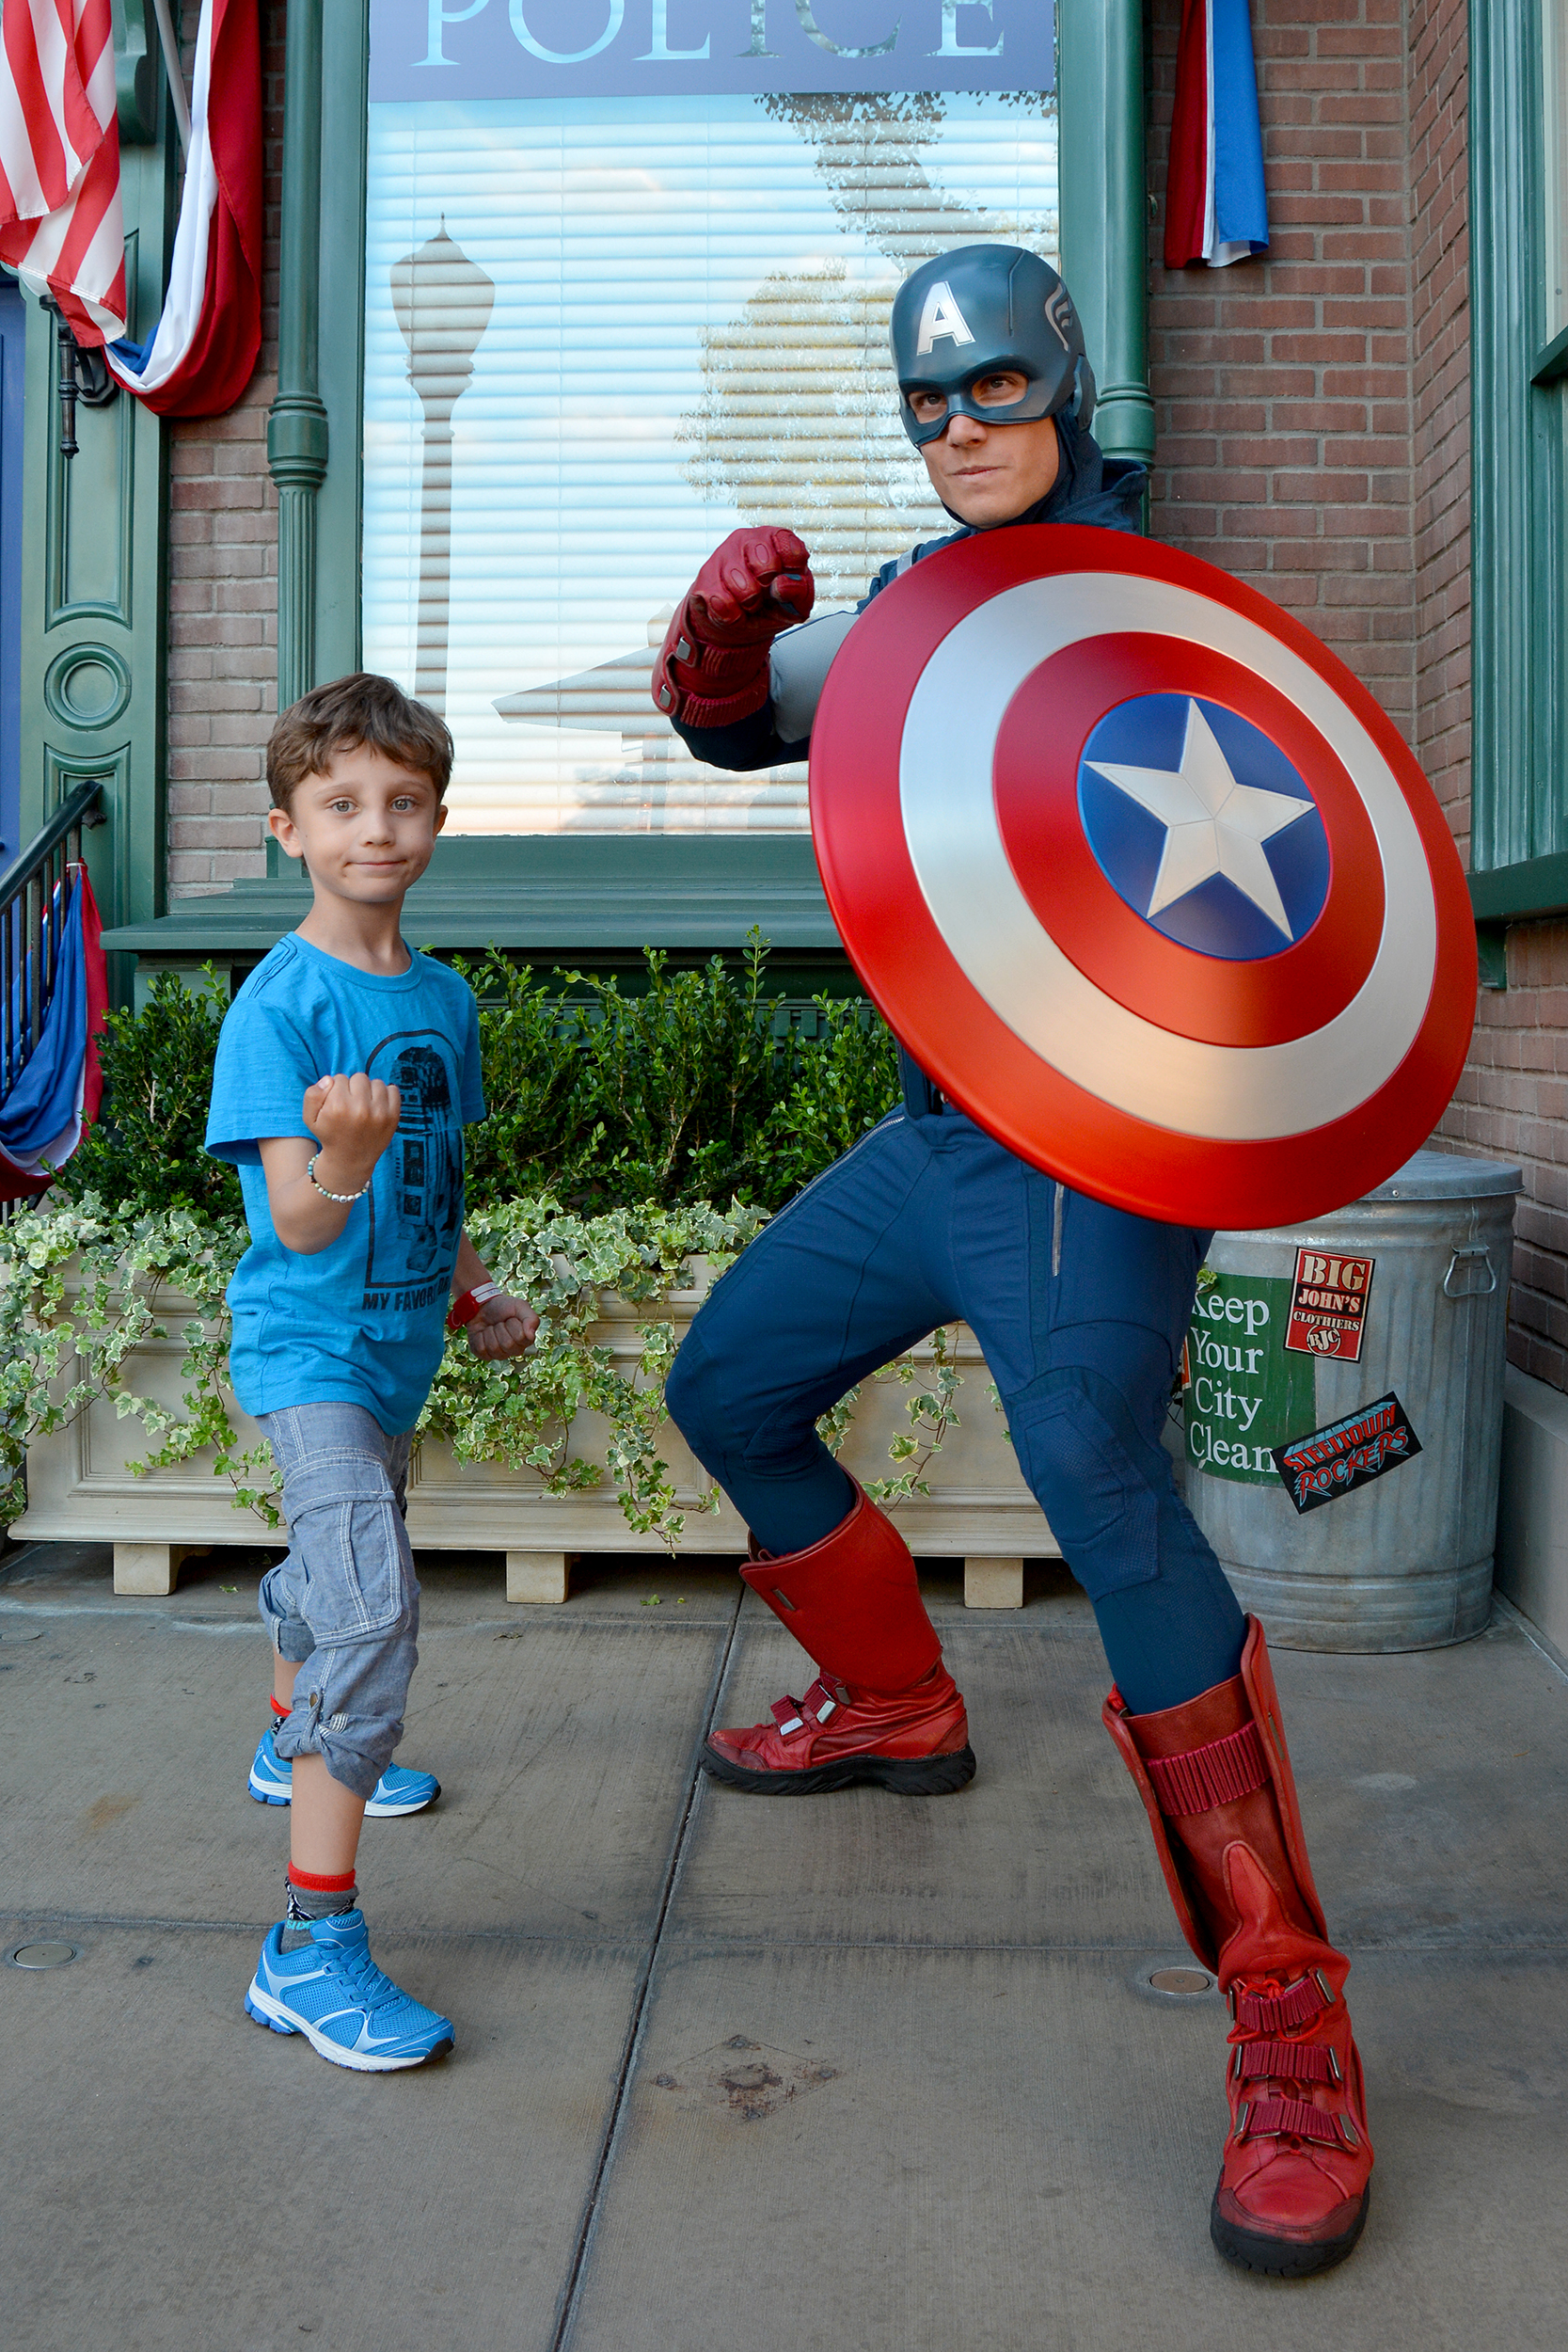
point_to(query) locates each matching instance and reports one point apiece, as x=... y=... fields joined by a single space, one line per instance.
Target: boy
x=346 y=1070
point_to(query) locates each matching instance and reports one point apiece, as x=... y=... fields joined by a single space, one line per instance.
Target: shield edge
x=1207 y=1183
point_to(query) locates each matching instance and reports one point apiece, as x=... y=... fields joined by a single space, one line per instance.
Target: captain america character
x=1081 y=1308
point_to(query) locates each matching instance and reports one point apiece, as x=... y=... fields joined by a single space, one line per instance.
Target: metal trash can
x=1343 y=1411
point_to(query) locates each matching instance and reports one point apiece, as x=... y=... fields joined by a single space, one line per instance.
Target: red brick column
x=1440 y=419
x=223 y=584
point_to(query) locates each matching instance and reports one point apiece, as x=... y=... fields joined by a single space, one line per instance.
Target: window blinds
x=599 y=333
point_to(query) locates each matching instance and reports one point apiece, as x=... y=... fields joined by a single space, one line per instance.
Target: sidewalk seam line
x=15 y=1923
x=567 y=2310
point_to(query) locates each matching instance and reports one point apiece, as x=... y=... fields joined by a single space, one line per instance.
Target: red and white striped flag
x=198 y=359
x=61 y=226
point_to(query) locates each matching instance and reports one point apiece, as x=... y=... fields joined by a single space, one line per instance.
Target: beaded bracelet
x=341 y=1198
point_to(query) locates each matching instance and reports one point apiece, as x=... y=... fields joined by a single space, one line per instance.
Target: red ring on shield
x=1150 y=1166
x=1039 y=750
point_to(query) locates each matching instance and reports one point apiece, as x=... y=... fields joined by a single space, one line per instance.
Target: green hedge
x=700 y=1088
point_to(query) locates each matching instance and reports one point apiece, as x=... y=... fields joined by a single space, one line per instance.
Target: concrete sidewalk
x=853 y=2074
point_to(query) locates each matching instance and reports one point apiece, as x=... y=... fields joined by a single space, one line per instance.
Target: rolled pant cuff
x=354 y=1766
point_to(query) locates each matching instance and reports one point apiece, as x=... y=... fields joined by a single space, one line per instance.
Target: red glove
x=712 y=667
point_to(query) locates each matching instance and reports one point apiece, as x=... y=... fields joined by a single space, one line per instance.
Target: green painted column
x=1515 y=581
x=1104 y=209
x=296 y=426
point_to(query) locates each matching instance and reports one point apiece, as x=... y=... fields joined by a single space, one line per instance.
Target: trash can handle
x=1471 y=1290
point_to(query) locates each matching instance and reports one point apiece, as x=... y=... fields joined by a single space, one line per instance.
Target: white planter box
x=81 y=1489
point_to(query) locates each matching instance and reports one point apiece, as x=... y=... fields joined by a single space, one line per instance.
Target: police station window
x=629 y=267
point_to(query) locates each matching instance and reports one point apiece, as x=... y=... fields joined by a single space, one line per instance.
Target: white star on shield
x=1213 y=825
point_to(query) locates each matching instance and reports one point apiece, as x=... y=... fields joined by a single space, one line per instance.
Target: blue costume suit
x=1080 y=1311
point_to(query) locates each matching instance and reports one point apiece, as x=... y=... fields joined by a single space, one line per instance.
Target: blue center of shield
x=1203 y=826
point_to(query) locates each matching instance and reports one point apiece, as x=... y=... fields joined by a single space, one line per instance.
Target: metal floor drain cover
x=1181 y=1984
x=42 y=1955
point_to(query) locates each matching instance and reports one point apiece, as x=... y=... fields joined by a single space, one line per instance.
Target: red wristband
x=465 y=1308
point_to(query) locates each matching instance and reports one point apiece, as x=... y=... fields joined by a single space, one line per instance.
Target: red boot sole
x=1284 y=2258
x=906 y=1775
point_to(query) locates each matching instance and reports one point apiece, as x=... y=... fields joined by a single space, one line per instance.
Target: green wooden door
x=94 y=573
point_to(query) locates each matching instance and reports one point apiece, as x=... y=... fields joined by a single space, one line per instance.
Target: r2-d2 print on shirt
x=416 y=1201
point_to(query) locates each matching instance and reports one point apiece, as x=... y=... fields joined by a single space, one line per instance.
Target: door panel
x=93 y=579
x=13 y=342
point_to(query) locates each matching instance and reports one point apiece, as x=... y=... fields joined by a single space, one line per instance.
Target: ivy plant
x=616 y=1118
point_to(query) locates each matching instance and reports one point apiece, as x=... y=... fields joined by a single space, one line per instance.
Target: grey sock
x=304 y=1905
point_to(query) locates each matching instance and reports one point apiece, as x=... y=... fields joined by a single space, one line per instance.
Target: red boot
x=884 y=1707
x=1215 y=1778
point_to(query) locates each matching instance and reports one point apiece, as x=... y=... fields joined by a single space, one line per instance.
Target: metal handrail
x=29 y=942
x=67 y=818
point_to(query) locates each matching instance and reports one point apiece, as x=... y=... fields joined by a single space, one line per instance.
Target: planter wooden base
x=536 y=1575
x=81 y=1487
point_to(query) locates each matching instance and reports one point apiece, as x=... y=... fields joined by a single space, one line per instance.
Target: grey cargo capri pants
x=344 y=1605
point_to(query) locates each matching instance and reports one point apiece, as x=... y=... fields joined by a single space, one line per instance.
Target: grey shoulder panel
x=797 y=670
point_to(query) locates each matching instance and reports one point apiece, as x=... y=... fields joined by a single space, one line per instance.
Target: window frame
x=680 y=891
x=1519 y=478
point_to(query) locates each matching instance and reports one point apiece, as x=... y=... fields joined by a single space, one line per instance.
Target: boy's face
x=365 y=829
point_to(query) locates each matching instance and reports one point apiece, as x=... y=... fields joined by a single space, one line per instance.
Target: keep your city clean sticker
x=1243 y=1396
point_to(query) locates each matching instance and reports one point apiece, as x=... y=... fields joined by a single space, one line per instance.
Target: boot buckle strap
x=793 y=1716
x=1264 y=2119
x=1286 y=2061
x=825 y=1698
x=1220 y=1773
x=1299 y=2005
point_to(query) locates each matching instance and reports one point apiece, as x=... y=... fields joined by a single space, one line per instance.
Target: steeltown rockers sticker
x=1328 y=1463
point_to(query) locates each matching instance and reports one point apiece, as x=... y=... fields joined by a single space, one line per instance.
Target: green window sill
x=551 y=897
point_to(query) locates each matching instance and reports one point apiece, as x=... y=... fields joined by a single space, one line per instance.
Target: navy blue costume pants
x=1080 y=1309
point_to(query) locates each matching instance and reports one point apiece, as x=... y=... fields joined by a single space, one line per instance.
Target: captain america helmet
x=984 y=311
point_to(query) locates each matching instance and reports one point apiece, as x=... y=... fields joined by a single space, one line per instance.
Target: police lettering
x=955 y=17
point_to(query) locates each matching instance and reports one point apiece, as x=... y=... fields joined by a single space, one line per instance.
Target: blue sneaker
x=397 y=1791
x=331 y=1991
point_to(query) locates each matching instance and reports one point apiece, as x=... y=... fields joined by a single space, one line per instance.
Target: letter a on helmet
x=941 y=316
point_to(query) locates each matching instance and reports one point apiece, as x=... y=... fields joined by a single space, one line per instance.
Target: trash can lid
x=1448 y=1176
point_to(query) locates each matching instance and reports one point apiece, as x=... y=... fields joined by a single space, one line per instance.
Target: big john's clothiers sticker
x=1328 y=1304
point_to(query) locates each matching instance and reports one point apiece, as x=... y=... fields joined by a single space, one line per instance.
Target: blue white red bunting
x=200 y=356
x=1216 y=207
x=56 y=1092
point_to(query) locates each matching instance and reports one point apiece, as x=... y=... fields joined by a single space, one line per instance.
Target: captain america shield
x=1142 y=877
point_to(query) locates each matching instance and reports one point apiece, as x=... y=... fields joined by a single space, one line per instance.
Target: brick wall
x=1313 y=415
x=1513 y=1100
x=223 y=585
x=1282 y=387
x=1513 y=1103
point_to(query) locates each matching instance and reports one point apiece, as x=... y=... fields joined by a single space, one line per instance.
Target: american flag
x=61 y=228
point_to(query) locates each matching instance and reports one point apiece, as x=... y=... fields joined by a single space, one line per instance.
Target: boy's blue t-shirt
x=363 y=1319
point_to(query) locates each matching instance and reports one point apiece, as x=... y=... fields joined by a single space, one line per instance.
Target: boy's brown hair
x=362 y=709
